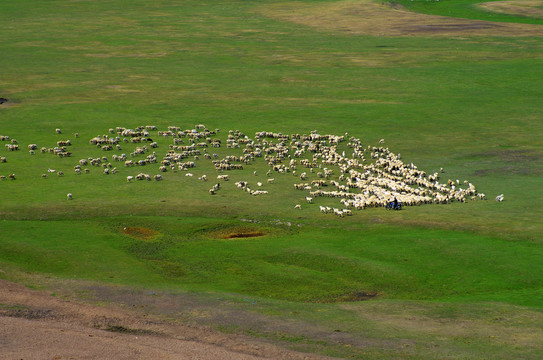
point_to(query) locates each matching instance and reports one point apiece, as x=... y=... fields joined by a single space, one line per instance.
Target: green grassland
x=458 y=281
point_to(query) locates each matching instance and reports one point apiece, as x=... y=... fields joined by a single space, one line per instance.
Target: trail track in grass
x=371 y=18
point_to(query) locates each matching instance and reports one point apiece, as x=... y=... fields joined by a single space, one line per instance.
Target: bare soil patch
x=36 y=325
x=238 y=233
x=366 y=17
x=244 y=234
x=527 y=8
x=351 y=296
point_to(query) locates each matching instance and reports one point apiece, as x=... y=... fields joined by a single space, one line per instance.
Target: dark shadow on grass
x=352 y=296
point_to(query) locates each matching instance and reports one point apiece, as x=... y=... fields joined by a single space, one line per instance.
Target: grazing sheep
x=58 y=131
x=158 y=177
x=3 y=159
x=499 y=198
x=361 y=184
x=298 y=206
x=129 y=178
x=69 y=196
x=11 y=176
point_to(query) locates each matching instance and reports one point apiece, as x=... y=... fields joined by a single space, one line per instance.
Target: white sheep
x=298 y=207
x=69 y=196
x=499 y=198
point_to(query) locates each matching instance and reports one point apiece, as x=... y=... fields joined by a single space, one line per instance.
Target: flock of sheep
x=359 y=176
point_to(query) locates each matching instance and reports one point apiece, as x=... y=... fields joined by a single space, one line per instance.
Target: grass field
x=457 y=281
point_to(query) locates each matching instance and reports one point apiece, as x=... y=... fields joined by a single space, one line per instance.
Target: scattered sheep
x=361 y=184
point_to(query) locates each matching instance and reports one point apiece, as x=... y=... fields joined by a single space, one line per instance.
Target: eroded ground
x=36 y=325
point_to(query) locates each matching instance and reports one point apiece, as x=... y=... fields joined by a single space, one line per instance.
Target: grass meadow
x=455 y=281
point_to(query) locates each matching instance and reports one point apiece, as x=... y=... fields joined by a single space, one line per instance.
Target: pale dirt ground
x=36 y=325
x=529 y=8
x=369 y=17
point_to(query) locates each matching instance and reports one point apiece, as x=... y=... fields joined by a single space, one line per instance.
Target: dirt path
x=36 y=325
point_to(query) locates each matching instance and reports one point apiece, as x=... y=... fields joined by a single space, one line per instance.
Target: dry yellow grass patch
x=121 y=88
x=528 y=8
x=366 y=17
